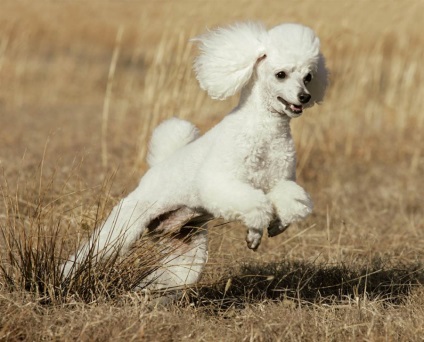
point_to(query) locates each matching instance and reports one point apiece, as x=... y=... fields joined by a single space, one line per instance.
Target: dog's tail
x=168 y=137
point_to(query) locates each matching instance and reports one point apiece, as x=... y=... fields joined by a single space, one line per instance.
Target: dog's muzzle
x=294 y=108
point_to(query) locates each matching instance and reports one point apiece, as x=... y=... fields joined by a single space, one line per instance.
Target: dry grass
x=78 y=102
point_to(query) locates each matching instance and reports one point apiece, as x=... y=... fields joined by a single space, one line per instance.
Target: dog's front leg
x=291 y=202
x=233 y=200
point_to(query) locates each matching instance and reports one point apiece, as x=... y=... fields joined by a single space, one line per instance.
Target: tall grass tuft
x=36 y=242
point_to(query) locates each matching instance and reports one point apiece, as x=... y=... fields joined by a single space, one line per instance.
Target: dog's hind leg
x=183 y=235
x=124 y=225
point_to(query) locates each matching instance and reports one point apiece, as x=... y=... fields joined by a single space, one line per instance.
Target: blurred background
x=82 y=85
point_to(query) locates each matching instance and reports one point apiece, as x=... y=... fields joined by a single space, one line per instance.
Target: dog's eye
x=281 y=75
x=307 y=78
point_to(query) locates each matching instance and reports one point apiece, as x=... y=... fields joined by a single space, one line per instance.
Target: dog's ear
x=318 y=85
x=227 y=58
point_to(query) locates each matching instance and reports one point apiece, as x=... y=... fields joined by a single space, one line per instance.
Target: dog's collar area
x=293 y=108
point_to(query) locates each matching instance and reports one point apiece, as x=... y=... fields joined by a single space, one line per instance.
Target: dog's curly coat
x=244 y=167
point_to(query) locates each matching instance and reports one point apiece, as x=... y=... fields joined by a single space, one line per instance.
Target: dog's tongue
x=296 y=108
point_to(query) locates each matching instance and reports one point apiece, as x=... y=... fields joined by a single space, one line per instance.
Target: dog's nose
x=304 y=97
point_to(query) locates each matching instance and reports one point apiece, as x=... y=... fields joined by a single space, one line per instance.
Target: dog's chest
x=269 y=160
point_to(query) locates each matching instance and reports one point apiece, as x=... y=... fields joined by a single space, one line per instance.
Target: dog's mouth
x=293 y=109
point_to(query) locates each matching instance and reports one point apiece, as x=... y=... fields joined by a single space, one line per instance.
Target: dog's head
x=285 y=63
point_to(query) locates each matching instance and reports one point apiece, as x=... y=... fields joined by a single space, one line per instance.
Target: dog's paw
x=292 y=203
x=253 y=238
x=276 y=227
x=295 y=210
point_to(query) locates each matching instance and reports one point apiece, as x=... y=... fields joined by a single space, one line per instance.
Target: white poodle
x=244 y=167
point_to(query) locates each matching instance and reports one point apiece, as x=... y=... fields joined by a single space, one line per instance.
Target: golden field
x=83 y=84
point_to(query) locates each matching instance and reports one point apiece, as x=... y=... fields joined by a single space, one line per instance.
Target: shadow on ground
x=303 y=282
